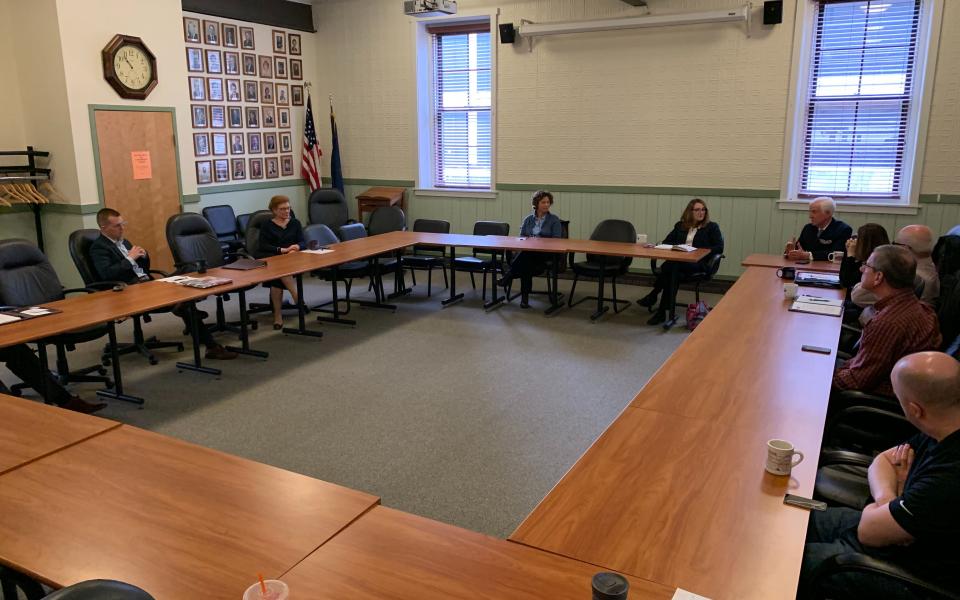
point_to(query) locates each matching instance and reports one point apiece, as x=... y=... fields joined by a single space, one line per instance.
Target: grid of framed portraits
x=241 y=97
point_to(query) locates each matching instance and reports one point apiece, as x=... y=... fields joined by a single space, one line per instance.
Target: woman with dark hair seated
x=282 y=234
x=694 y=229
x=526 y=265
x=858 y=250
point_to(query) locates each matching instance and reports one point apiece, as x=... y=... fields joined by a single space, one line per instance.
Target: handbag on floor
x=696 y=313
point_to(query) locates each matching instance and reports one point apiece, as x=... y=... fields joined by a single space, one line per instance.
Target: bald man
x=921 y=240
x=914 y=519
x=822 y=235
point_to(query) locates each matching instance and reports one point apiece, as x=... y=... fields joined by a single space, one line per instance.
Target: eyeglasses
x=867 y=265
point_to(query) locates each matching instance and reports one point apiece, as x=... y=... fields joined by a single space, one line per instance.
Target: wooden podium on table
x=376 y=197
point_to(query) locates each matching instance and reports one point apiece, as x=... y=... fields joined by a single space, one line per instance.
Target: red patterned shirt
x=902 y=325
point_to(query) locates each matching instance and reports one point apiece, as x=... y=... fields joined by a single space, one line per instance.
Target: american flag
x=310 y=164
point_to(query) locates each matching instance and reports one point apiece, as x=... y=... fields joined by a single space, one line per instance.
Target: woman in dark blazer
x=526 y=265
x=282 y=234
x=695 y=229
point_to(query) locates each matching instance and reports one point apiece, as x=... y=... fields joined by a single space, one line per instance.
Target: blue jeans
x=833 y=532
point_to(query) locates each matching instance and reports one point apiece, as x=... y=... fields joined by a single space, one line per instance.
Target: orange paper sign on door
x=141 y=164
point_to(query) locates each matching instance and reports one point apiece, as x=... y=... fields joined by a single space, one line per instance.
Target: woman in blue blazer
x=526 y=265
x=695 y=229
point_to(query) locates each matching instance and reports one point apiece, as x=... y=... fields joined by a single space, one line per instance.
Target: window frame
x=425 y=91
x=928 y=38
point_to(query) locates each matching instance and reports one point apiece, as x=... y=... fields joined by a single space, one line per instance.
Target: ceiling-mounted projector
x=429 y=8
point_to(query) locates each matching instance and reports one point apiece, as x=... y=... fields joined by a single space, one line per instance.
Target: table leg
x=496 y=298
x=196 y=365
x=399 y=282
x=117 y=392
x=301 y=313
x=601 y=308
x=454 y=296
x=244 y=333
x=555 y=304
x=377 y=287
x=674 y=287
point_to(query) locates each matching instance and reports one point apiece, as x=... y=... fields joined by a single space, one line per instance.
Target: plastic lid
x=610 y=586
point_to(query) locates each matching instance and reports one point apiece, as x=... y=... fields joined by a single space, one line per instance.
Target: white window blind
x=858 y=98
x=461 y=106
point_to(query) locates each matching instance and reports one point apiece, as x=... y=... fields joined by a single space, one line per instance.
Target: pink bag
x=696 y=313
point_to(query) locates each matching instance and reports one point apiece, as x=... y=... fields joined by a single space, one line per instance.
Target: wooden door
x=146 y=195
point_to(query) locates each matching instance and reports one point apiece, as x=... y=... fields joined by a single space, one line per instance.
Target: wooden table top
x=30 y=430
x=777 y=260
x=389 y=554
x=176 y=519
x=675 y=490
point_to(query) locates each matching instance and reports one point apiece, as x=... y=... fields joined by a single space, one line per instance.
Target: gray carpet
x=455 y=414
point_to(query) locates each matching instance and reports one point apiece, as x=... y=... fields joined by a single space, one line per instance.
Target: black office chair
x=854 y=562
x=224 y=223
x=242 y=221
x=27 y=278
x=192 y=242
x=483 y=260
x=561 y=264
x=384 y=220
x=427 y=258
x=602 y=267
x=79 y=244
x=100 y=589
x=345 y=272
x=327 y=206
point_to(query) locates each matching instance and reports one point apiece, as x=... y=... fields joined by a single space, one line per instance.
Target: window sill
x=455 y=193
x=855 y=207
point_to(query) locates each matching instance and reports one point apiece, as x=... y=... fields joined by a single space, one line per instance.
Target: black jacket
x=832 y=239
x=110 y=265
x=707 y=237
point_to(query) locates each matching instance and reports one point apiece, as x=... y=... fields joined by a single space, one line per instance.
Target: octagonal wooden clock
x=129 y=67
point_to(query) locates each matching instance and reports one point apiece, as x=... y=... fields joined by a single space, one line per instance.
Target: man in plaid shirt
x=902 y=325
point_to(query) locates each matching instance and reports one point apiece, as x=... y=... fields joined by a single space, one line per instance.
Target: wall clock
x=129 y=67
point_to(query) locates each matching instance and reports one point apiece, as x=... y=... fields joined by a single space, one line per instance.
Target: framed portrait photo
x=218 y=117
x=214 y=62
x=204 y=174
x=293 y=43
x=218 y=142
x=235 y=117
x=279 y=67
x=198 y=116
x=201 y=144
x=198 y=88
x=247 y=41
x=270 y=142
x=296 y=69
x=231 y=63
x=236 y=143
x=233 y=90
x=254 y=143
x=269 y=115
x=286 y=165
x=279 y=42
x=221 y=170
x=249 y=64
x=256 y=168
x=195 y=60
x=266 y=92
x=286 y=141
x=238 y=168
x=191 y=30
x=296 y=95
x=250 y=93
x=253 y=117
x=273 y=167
x=211 y=33
x=282 y=94
x=215 y=89
x=283 y=118
x=230 y=35
x=266 y=66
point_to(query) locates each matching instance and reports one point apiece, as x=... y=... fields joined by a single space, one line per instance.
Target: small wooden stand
x=376 y=197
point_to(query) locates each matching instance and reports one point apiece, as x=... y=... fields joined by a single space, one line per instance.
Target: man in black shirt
x=914 y=520
x=822 y=235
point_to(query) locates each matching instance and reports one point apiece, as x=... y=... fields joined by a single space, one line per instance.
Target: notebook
x=678 y=247
x=818 y=306
x=245 y=264
x=824 y=280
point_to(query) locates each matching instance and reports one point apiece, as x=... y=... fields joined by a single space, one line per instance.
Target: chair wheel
x=254 y=325
x=179 y=347
x=102 y=370
x=109 y=385
x=153 y=361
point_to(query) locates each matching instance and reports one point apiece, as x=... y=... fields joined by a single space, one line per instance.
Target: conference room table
x=176 y=519
x=675 y=490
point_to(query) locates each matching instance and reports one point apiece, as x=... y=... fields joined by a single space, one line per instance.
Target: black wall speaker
x=507 y=33
x=773 y=12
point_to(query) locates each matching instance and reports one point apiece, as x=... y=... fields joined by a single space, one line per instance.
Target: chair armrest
x=857 y=562
x=864 y=399
x=158 y=272
x=850 y=328
x=844 y=457
x=85 y=290
x=104 y=285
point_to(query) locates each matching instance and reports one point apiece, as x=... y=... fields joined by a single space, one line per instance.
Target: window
x=460 y=106
x=858 y=111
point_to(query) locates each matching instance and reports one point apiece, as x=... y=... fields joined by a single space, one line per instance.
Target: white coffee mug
x=641 y=238
x=835 y=256
x=780 y=457
x=790 y=290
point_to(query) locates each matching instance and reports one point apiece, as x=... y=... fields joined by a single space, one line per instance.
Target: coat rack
x=22 y=184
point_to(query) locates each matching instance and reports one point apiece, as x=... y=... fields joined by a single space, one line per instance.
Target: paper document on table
x=819 y=300
x=318 y=251
x=8 y=318
x=678 y=247
x=685 y=595
x=36 y=311
x=173 y=279
x=817 y=308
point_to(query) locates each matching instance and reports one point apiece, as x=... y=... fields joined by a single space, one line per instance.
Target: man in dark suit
x=822 y=235
x=116 y=259
x=23 y=363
